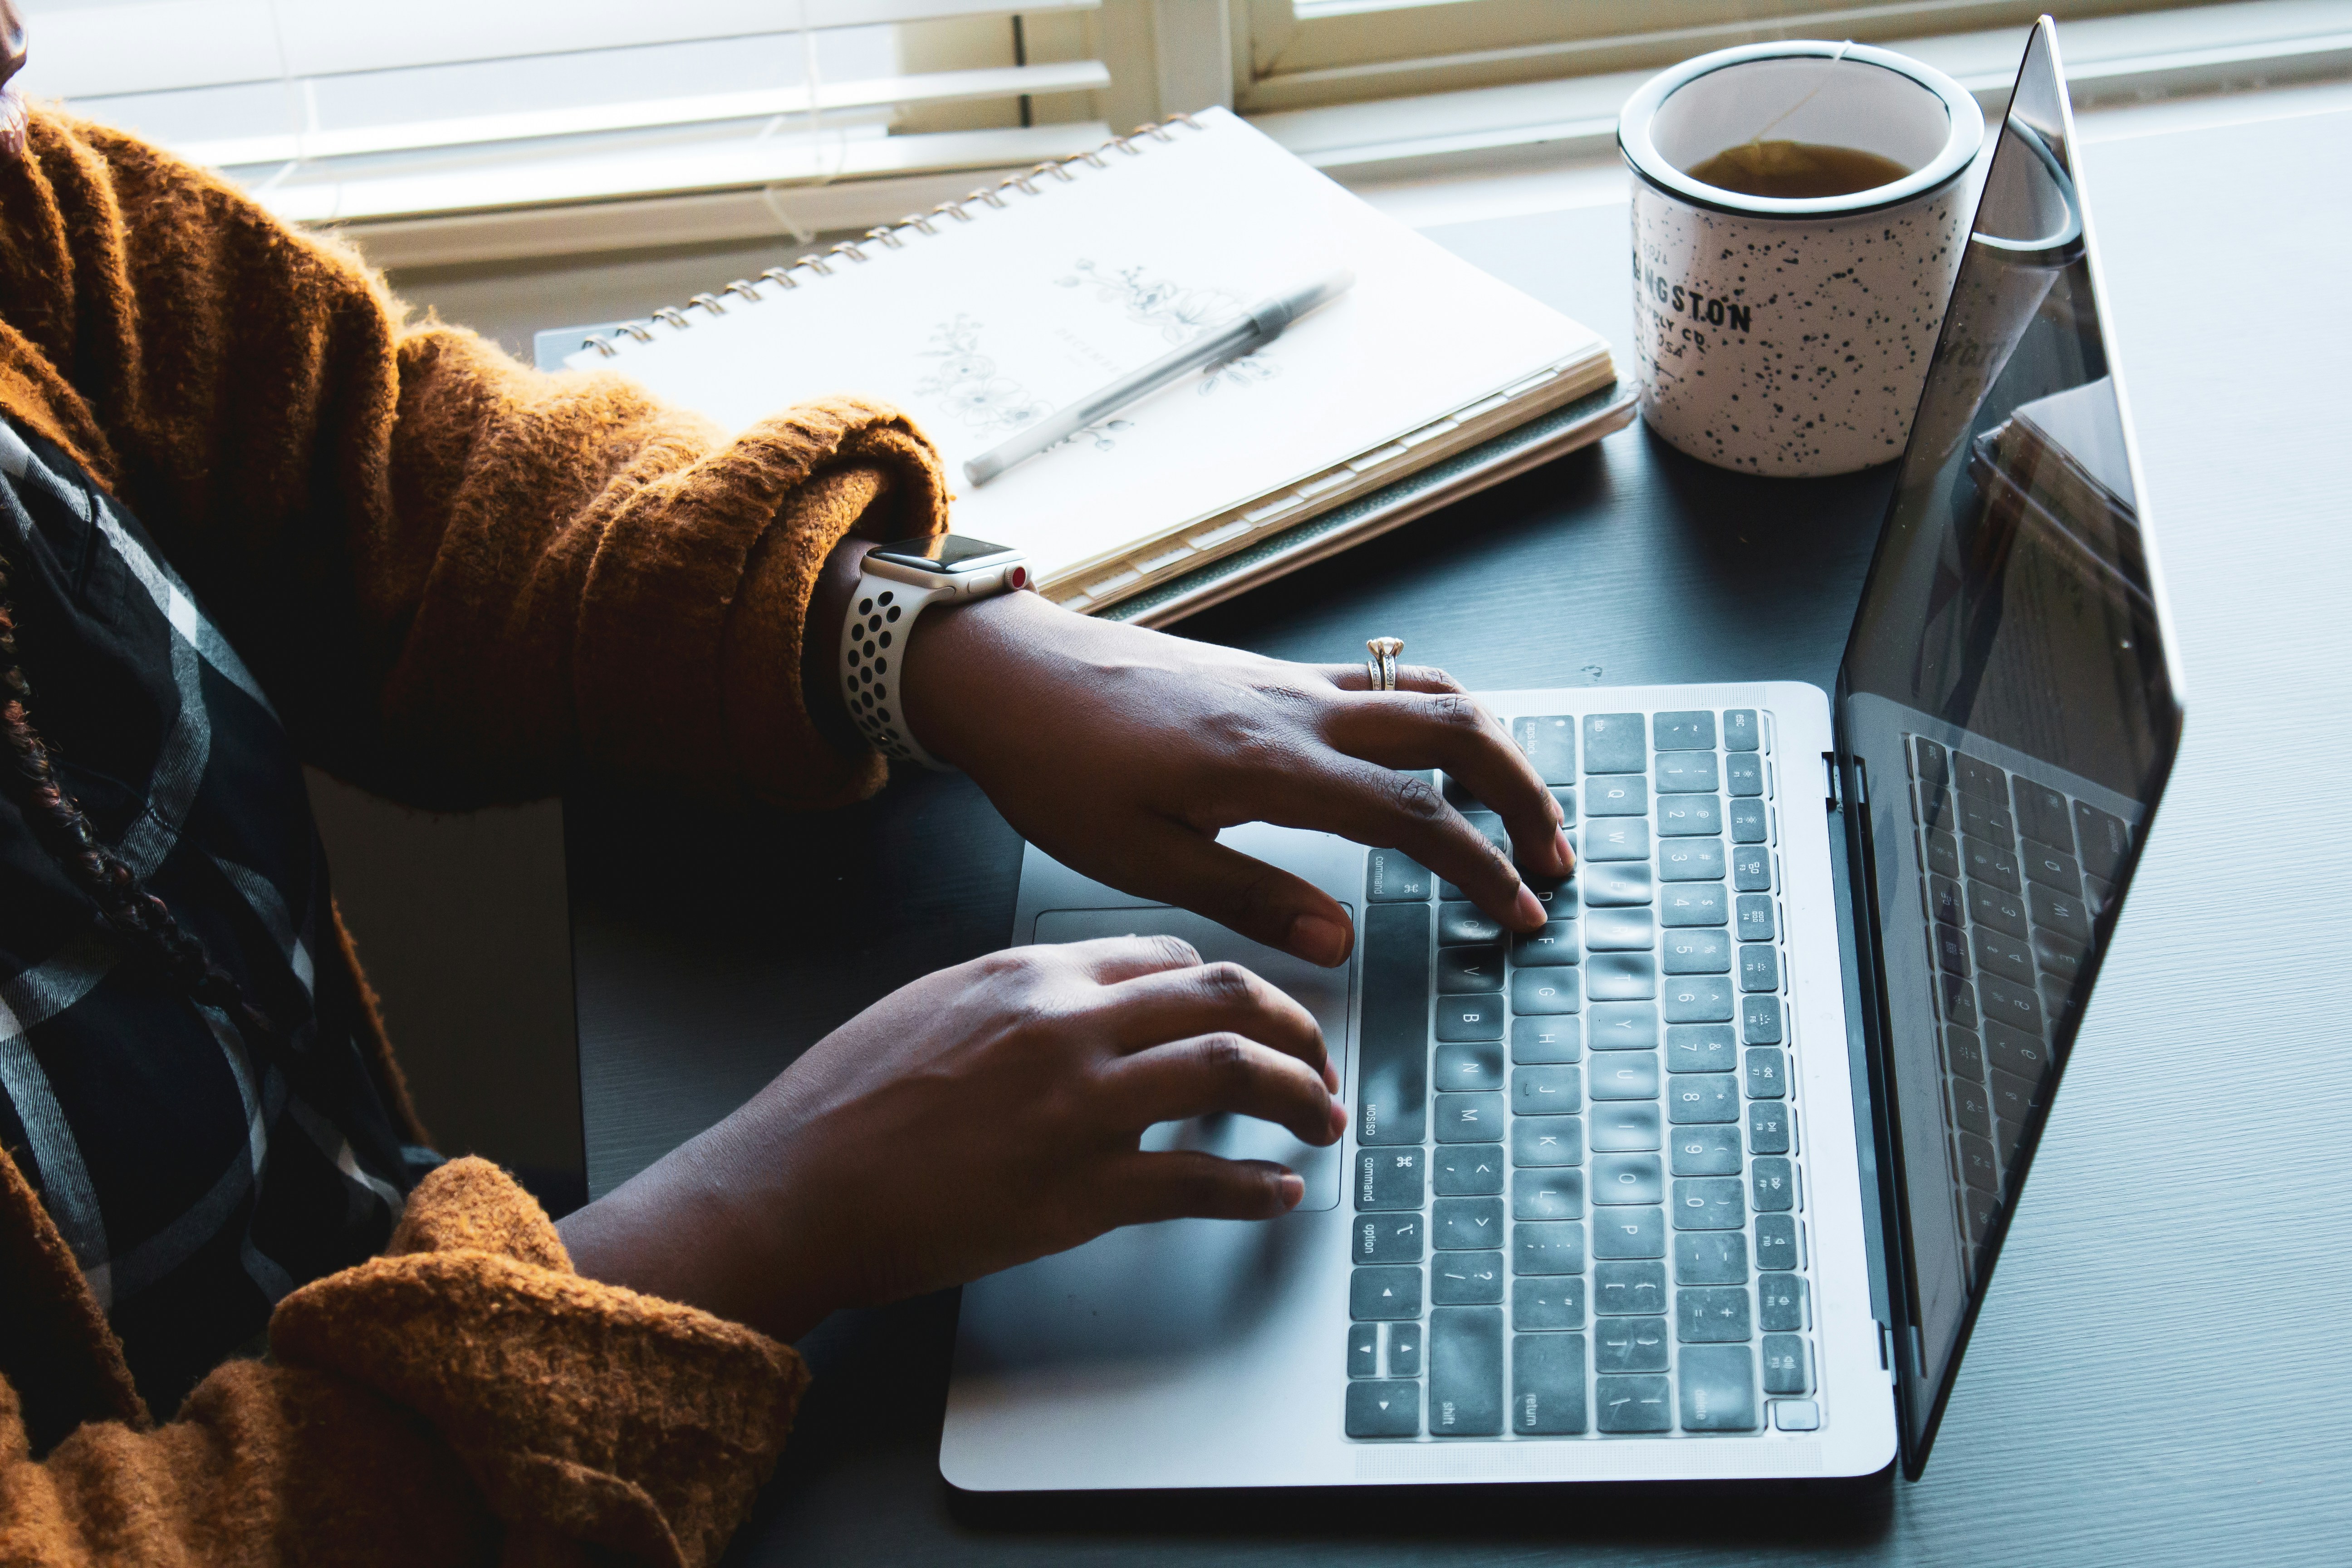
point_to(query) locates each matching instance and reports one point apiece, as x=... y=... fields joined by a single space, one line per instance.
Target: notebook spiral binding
x=890 y=237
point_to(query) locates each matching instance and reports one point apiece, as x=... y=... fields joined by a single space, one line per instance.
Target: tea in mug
x=1796 y=170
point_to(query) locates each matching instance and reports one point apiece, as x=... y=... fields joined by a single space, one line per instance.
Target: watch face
x=942 y=551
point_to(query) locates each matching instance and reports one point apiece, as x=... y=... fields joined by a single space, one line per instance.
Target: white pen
x=1245 y=334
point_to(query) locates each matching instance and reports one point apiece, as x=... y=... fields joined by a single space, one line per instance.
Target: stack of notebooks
x=1426 y=381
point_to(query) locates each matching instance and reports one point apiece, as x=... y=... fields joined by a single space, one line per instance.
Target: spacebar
x=1392 y=1081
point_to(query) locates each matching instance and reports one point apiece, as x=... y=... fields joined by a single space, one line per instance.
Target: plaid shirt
x=197 y=1175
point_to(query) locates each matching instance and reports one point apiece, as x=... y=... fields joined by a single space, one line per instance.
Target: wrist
x=958 y=655
x=828 y=610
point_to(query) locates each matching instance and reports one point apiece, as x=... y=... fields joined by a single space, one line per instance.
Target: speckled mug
x=1792 y=337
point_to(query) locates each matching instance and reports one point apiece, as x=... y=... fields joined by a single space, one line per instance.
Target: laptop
x=1675 y=1188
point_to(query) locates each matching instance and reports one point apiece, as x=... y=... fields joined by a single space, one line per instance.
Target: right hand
x=978 y=1117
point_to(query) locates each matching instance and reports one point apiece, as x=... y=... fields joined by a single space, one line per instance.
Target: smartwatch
x=896 y=582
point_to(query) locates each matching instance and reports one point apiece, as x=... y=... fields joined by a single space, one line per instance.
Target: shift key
x=1465 y=1371
x=1392 y=1081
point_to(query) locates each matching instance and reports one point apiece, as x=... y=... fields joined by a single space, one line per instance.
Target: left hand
x=1122 y=753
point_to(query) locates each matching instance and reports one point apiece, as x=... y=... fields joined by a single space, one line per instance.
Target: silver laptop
x=1672 y=1189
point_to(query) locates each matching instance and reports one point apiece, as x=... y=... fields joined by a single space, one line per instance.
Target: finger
x=1174 y=1004
x=1111 y=960
x=1450 y=730
x=1184 y=1183
x=1223 y=1074
x=1409 y=677
x=1170 y=861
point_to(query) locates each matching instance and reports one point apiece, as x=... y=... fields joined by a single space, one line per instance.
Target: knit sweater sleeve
x=465 y=1398
x=459 y=579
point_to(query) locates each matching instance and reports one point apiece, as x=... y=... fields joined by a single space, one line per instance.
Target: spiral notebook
x=1427 y=379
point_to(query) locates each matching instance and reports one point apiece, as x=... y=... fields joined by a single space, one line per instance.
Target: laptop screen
x=2009 y=698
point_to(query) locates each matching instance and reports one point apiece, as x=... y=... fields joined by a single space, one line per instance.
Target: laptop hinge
x=1886 y=1352
x=1835 y=800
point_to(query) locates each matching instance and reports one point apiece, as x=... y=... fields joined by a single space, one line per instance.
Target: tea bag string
x=1757 y=141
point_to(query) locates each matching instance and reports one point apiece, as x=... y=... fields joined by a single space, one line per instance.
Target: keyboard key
x=1621 y=1128
x=1698 y=1097
x=1688 y=772
x=1612 y=743
x=1404 y=1349
x=1692 y=904
x=1620 y=1179
x=1620 y=977
x=1548 y=1385
x=1768 y=1073
x=1972 y=1108
x=1768 y=1127
x=1471 y=1118
x=1979 y=1166
x=2052 y=869
x=1620 y=796
x=1616 y=838
x=1963 y=1052
x=1376 y=1294
x=1389 y=1178
x=1364 y=1350
x=1748 y=826
x=1713 y=1315
x=1550 y=1039
x=1989 y=862
x=1537 y=992
x=1759 y=967
x=2059 y=913
x=1386 y=1238
x=1945 y=902
x=1469 y=971
x=1549 y=1195
x=1740 y=731
x=2101 y=842
x=1743 y=775
x=1555 y=1301
x=1931 y=761
x=1620 y=930
x=1628 y=1289
x=1467 y=1171
x=1756 y=922
x=2015 y=1051
x=1701 y=1048
x=1390 y=878
x=1548 y=946
x=1550 y=745
x=1690 y=860
x=1624 y=1026
x=1759 y=1020
x=2002 y=954
x=1943 y=855
x=1781 y=1303
x=1470 y=1066
x=1787 y=1369
x=2014 y=1005
x=1465 y=1280
x=1630 y=1344
x=1982 y=819
x=1698 y=999
x=1631 y=1405
x=1751 y=868
x=1951 y=950
x=1980 y=778
x=2042 y=813
x=1548 y=1090
x=1470 y=1017
x=1392 y=1081
x=1614 y=885
x=1711 y=1258
x=1543 y=1141
x=1625 y=1075
x=1689 y=815
x=1462 y=1224
x=1630 y=1233
x=1937 y=809
x=2059 y=958
x=1461 y=923
x=1384 y=1410
x=1551 y=1246
x=1773 y=1184
x=1717 y=1384
x=1567 y=798
x=1466 y=1372
x=1708 y=1203
x=1997 y=907
x=1776 y=1242
x=1683 y=732
x=1695 y=950
x=1705 y=1151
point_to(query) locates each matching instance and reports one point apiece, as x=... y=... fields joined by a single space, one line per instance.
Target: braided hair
x=136 y=917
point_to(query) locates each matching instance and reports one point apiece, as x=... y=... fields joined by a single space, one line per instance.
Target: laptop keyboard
x=2014 y=874
x=1578 y=1185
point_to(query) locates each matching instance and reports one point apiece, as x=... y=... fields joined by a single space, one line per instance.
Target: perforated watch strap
x=872 y=636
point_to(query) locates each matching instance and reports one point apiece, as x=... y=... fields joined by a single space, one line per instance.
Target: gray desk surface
x=2163 y=1374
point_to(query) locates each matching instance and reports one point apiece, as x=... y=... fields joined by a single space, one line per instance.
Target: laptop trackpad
x=1322 y=991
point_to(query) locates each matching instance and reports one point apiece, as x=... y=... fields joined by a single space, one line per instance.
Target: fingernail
x=1291 y=1188
x=1529 y=909
x=1562 y=853
x=1318 y=941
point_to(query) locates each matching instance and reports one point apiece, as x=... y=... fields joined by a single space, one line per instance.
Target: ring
x=1381 y=668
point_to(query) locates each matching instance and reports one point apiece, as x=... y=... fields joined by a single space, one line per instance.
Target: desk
x=2161 y=1375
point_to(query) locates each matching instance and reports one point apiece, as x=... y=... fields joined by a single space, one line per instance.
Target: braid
x=136 y=915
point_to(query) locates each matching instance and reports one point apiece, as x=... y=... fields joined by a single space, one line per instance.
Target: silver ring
x=1381 y=668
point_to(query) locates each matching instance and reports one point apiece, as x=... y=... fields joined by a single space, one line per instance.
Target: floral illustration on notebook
x=967 y=384
x=1182 y=314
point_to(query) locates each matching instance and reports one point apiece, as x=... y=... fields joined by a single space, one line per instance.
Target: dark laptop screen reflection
x=2006 y=693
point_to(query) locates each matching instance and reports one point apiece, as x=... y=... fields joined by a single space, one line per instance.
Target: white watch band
x=881 y=614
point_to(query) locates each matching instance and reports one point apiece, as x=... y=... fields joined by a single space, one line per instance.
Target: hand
x=980 y=1117
x=1122 y=753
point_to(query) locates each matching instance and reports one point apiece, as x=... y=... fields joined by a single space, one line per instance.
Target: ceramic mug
x=1790 y=336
